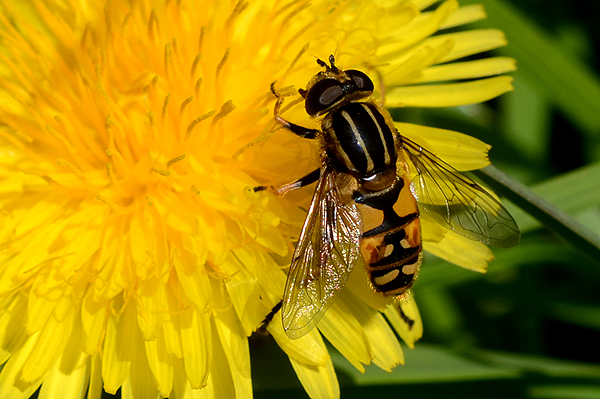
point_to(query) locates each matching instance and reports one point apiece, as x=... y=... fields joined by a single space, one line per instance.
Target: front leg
x=296 y=184
x=296 y=129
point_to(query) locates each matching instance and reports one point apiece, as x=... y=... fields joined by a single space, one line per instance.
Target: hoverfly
x=365 y=202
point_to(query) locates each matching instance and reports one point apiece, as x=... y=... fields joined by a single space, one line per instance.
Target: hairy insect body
x=365 y=201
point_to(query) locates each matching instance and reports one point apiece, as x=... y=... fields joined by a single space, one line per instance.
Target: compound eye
x=363 y=82
x=323 y=95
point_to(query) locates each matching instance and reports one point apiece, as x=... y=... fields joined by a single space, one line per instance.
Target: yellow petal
x=433 y=232
x=196 y=341
x=346 y=334
x=423 y=4
x=385 y=348
x=12 y=326
x=235 y=346
x=11 y=383
x=410 y=310
x=459 y=250
x=69 y=377
x=137 y=384
x=40 y=308
x=470 y=42
x=51 y=341
x=410 y=67
x=116 y=353
x=152 y=307
x=449 y=95
x=219 y=383
x=148 y=250
x=30 y=257
x=459 y=150
x=318 y=381
x=161 y=364
x=270 y=275
x=191 y=273
x=171 y=327
x=467 y=70
x=358 y=284
x=95 y=388
x=465 y=15
x=243 y=288
x=414 y=32
x=181 y=385
x=410 y=333
x=308 y=349
x=112 y=254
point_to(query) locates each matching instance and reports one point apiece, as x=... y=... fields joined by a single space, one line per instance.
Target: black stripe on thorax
x=363 y=136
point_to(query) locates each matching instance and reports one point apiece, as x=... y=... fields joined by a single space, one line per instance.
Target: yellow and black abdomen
x=391 y=243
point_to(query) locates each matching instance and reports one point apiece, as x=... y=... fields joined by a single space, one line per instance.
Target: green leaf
x=573 y=191
x=565 y=391
x=539 y=364
x=425 y=363
x=550 y=215
x=583 y=315
x=569 y=83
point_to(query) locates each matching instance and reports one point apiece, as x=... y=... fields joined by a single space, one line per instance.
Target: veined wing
x=457 y=202
x=327 y=249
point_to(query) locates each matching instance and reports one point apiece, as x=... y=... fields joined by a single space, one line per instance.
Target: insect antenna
x=333 y=68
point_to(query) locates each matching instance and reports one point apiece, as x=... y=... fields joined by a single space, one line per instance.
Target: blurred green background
x=530 y=327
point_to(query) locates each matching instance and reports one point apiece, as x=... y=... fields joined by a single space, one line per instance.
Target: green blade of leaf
x=428 y=364
x=564 y=391
x=574 y=191
x=579 y=236
x=540 y=365
x=570 y=84
x=581 y=314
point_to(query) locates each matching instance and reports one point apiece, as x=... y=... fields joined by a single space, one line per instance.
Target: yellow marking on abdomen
x=386 y=278
x=410 y=269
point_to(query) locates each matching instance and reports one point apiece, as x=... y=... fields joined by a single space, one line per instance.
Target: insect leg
x=268 y=318
x=286 y=188
x=410 y=322
x=296 y=129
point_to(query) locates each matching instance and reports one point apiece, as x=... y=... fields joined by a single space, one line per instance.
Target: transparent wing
x=326 y=252
x=457 y=202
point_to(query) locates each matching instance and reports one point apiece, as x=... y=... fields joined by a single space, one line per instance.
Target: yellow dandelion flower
x=134 y=253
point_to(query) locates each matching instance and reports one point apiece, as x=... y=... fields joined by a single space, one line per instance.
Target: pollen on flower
x=193 y=123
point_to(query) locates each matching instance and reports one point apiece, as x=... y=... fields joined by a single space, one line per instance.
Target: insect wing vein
x=457 y=202
x=327 y=249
